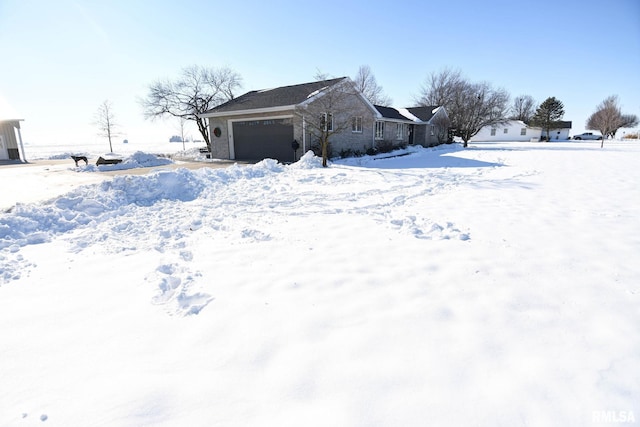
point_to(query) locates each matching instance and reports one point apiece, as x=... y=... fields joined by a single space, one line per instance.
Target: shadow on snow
x=444 y=160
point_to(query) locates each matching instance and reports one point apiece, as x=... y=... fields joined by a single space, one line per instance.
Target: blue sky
x=62 y=58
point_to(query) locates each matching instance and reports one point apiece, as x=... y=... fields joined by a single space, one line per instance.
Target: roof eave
x=388 y=119
x=248 y=111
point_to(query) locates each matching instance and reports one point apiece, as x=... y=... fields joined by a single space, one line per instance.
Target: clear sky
x=61 y=59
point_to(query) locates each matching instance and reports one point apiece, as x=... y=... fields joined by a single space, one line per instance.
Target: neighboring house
x=561 y=132
x=264 y=123
x=9 y=141
x=517 y=130
x=513 y=130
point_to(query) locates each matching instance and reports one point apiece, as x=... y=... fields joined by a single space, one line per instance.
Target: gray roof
x=563 y=125
x=277 y=97
x=390 y=113
x=423 y=113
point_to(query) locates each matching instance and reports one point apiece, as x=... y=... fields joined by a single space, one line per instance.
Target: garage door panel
x=259 y=139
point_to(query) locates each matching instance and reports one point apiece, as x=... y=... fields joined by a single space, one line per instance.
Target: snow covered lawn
x=496 y=285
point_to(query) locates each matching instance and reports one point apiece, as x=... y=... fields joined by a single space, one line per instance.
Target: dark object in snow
x=103 y=161
x=206 y=151
x=78 y=158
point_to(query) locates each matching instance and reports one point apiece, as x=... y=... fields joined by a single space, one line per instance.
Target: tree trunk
x=202 y=127
x=325 y=154
x=109 y=136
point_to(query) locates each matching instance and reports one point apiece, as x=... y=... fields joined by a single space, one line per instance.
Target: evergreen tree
x=548 y=114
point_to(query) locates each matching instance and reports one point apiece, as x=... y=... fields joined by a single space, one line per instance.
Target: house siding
x=431 y=135
x=346 y=140
x=390 y=133
x=10 y=142
x=513 y=127
x=559 y=134
x=221 y=146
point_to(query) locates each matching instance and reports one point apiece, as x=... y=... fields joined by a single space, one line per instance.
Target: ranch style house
x=265 y=123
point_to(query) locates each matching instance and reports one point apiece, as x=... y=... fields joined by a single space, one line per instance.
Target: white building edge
x=517 y=130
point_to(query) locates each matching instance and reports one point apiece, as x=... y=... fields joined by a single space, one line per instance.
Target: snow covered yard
x=496 y=285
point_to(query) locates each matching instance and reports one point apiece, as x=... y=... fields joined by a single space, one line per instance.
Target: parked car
x=587 y=135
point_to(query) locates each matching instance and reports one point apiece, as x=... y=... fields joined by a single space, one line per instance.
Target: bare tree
x=321 y=75
x=523 y=108
x=475 y=106
x=106 y=122
x=197 y=90
x=441 y=88
x=329 y=112
x=548 y=114
x=470 y=106
x=366 y=83
x=608 y=118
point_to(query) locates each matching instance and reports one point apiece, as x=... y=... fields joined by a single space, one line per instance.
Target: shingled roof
x=277 y=97
x=390 y=113
x=423 y=114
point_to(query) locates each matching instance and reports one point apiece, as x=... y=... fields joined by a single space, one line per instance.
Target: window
x=379 y=130
x=326 y=121
x=523 y=131
x=400 y=131
x=433 y=130
x=356 y=124
x=493 y=131
x=506 y=130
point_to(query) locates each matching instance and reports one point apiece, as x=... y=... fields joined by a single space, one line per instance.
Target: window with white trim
x=379 y=130
x=356 y=124
x=493 y=131
x=400 y=131
x=523 y=131
x=506 y=130
x=326 y=122
x=433 y=130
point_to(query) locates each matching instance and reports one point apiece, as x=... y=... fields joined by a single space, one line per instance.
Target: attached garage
x=258 y=139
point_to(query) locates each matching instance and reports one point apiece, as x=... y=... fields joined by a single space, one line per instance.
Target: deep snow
x=496 y=285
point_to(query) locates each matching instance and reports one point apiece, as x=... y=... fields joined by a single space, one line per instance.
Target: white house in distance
x=517 y=130
x=514 y=130
x=561 y=133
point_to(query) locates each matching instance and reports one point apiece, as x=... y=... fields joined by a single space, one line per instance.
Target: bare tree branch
x=440 y=88
x=523 y=108
x=470 y=106
x=197 y=90
x=366 y=83
x=477 y=105
x=608 y=118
